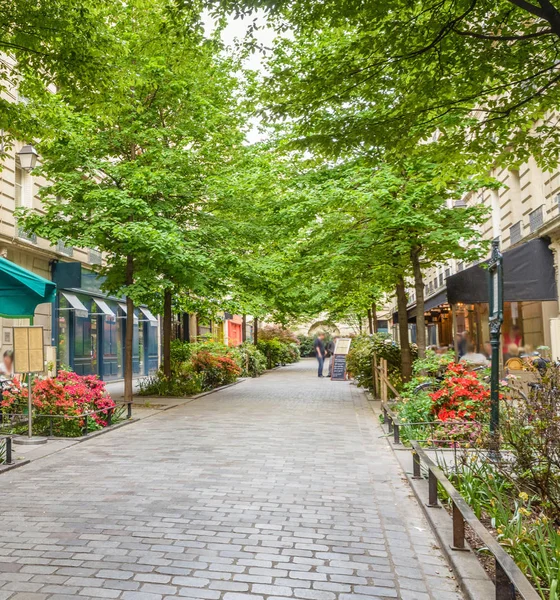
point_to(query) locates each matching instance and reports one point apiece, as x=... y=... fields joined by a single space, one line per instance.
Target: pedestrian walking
x=319 y=346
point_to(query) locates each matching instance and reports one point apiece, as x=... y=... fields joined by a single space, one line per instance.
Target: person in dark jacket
x=319 y=346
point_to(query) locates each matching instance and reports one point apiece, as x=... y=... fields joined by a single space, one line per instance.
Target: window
x=460 y=266
x=536 y=219
x=441 y=280
x=515 y=233
x=22 y=199
x=447 y=272
x=18 y=182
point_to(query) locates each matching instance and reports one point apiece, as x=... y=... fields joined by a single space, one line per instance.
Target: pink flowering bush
x=67 y=395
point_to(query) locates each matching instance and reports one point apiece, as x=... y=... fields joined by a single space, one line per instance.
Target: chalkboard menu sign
x=338 y=372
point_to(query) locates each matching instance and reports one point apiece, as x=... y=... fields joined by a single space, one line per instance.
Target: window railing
x=64 y=249
x=536 y=219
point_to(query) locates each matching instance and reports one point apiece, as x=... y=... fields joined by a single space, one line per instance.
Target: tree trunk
x=406 y=358
x=244 y=329
x=374 y=317
x=370 y=320
x=186 y=327
x=255 y=330
x=419 y=288
x=129 y=333
x=167 y=322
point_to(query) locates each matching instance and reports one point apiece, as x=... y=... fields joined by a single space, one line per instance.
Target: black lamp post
x=496 y=297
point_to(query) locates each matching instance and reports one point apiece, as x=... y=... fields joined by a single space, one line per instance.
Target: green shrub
x=278 y=353
x=250 y=359
x=360 y=357
x=306 y=348
x=195 y=368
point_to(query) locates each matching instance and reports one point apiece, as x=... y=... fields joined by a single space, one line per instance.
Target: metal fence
x=54 y=425
x=510 y=582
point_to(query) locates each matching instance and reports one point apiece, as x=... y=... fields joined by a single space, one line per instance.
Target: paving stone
x=279 y=487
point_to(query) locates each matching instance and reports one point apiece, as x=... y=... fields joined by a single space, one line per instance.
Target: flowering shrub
x=14 y=397
x=73 y=394
x=69 y=395
x=215 y=369
x=462 y=396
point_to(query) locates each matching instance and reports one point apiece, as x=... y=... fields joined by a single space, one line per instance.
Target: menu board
x=338 y=372
x=28 y=350
x=342 y=346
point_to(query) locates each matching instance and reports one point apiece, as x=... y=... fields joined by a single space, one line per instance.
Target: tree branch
x=505 y=38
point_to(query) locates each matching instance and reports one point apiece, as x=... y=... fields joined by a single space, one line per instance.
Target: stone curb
x=471 y=576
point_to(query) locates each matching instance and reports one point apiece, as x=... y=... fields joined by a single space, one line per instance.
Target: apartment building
x=525 y=215
x=83 y=326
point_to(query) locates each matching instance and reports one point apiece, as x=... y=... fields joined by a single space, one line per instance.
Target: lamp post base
x=25 y=440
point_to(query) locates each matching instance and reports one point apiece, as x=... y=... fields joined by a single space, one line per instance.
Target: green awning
x=21 y=290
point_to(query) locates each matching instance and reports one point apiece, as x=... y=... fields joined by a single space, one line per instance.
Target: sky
x=235 y=31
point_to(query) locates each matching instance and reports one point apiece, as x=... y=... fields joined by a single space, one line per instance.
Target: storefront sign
x=338 y=370
x=28 y=350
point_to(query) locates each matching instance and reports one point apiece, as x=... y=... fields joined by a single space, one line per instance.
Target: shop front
x=89 y=327
x=530 y=302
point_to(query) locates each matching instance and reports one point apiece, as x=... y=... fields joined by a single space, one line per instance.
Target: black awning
x=429 y=303
x=528 y=275
x=439 y=298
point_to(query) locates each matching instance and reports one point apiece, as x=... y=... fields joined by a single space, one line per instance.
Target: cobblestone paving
x=275 y=488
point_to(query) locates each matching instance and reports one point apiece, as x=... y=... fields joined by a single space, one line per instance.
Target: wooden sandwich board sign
x=29 y=358
x=338 y=368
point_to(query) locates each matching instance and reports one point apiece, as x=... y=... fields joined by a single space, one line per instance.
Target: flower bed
x=67 y=405
x=450 y=416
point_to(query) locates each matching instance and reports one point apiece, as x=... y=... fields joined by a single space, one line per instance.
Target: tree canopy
x=365 y=77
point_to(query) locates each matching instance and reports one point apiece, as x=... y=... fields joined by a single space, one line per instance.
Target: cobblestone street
x=277 y=487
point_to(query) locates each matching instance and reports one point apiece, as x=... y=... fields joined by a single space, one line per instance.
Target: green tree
x=129 y=167
x=52 y=44
x=365 y=76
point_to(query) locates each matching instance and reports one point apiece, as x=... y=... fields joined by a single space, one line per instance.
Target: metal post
x=109 y=417
x=9 y=460
x=129 y=411
x=396 y=433
x=86 y=425
x=496 y=317
x=29 y=407
x=432 y=490
x=416 y=474
x=458 y=529
x=505 y=590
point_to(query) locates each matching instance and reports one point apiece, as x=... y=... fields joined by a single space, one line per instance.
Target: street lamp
x=27 y=157
x=496 y=297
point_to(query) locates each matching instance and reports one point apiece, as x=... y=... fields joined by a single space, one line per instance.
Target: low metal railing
x=395 y=425
x=509 y=581
x=10 y=420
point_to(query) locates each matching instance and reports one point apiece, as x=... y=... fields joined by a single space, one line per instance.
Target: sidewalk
x=279 y=487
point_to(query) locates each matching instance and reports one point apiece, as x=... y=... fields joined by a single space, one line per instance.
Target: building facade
x=83 y=328
x=524 y=214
